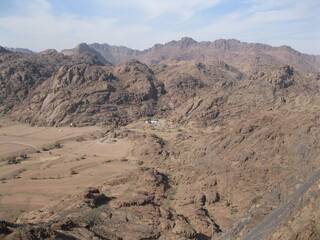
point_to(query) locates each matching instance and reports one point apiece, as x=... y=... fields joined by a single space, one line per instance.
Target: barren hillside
x=247 y=56
x=223 y=136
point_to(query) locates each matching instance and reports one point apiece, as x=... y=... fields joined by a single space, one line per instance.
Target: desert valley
x=184 y=140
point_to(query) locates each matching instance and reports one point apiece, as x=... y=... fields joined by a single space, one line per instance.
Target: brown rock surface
x=227 y=148
x=240 y=54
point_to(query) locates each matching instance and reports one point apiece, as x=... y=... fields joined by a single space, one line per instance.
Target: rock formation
x=236 y=156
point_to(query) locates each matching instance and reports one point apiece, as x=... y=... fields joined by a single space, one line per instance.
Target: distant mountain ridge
x=83 y=47
x=239 y=54
x=21 y=50
x=233 y=51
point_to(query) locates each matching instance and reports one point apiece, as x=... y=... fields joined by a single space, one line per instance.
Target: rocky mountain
x=239 y=54
x=237 y=157
x=21 y=50
x=88 y=95
x=82 y=48
x=114 y=54
x=21 y=73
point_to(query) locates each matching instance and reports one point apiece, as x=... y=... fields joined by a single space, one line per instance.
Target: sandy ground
x=48 y=176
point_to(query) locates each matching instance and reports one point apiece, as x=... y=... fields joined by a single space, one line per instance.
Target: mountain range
x=188 y=49
x=237 y=155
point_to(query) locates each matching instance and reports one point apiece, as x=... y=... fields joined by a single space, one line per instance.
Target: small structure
x=153 y=122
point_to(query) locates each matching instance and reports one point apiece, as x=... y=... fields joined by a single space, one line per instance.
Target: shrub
x=140 y=163
x=57 y=145
x=51 y=146
x=12 y=160
x=80 y=139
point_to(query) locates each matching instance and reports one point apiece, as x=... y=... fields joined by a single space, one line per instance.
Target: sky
x=139 y=24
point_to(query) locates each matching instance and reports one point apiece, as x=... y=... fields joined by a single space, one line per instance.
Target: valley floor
x=41 y=165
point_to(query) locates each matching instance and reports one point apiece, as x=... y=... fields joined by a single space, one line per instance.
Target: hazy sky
x=139 y=24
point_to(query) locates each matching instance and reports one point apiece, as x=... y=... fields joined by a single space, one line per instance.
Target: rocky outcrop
x=137 y=211
x=94 y=198
x=87 y=95
x=21 y=74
